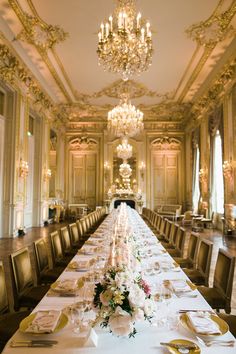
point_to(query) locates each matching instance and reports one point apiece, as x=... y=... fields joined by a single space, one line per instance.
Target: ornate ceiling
x=194 y=48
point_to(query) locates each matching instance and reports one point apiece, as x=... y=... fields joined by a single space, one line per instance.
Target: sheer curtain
x=196 y=189
x=217 y=195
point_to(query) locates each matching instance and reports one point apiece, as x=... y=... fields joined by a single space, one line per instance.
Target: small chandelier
x=124 y=150
x=125 y=170
x=125 y=119
x=125 y=42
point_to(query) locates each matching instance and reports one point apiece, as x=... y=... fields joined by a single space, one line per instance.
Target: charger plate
x=223 y=326
x=25 y=323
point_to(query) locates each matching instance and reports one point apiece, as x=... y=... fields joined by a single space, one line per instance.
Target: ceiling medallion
x=125 y=119
x=125 y=42
x=124 y=150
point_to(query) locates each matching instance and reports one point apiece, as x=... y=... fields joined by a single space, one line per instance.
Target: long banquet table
x=148 y=337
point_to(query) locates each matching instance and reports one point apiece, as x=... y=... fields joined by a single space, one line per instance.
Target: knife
x=179 y=346
x=30 y=345
x=36 y=341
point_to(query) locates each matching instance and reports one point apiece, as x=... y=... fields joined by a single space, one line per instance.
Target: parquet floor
x=10 y=245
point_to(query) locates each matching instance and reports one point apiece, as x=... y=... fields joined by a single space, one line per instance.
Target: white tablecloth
x=148 y=338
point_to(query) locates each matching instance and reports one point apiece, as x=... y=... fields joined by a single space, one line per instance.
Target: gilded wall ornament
x=82 y=143
x=215 y=29
x=166 y=143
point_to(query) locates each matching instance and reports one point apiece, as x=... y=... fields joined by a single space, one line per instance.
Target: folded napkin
x=68 y=285
x=44 y=322
x=202 y=323
x=180 y=285
x=79 y=265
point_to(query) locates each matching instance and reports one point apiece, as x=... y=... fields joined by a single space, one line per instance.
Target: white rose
x=137 y=315
x=121 y=322
x=149 y=307
x=136 y=296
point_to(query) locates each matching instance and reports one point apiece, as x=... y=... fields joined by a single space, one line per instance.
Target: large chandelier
x=125 y=120
x=125 y=42
x=125 y=170
x=124 y=150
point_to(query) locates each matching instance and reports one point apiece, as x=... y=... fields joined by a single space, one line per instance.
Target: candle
x=102 y=30
x=107 y=29
x=110 y=20
x=138 y=20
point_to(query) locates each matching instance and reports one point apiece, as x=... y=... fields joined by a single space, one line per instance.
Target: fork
x=209 y=343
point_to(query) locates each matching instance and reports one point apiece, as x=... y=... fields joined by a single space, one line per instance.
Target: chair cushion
x=51 y=275
x=213 y=297
x=184 y=262
x=231 y=320
x=9 y=324
x=195 y=276
x=33 y=295
x=173 y=252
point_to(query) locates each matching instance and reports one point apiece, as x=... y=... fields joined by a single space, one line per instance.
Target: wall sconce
x=47 y=174
x=142 y=168
x=23 y=169
x=228 y=170
x=203 y=175
x=106 y=170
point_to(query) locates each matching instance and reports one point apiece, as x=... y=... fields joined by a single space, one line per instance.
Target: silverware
x=30 y=345
x=186 y=295
x=220 y=342
x=36 y=341
x=207 y=311
x=180 y=346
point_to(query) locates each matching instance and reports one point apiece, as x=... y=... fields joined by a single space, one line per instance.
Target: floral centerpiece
x=122 y=299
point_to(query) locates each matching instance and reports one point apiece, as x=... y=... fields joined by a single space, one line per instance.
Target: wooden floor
x=12 y=244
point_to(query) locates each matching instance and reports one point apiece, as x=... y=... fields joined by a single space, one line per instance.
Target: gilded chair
x=167 y=234
x=58 y=256
x=178 y=251
x=24 y=292
x=171 y=244
x=200 y=274
x=231 y=320
x=75 y=236
x=45 y=274
x=66 y=242
x=160 y=233
x=9 y=322
x=219 y=296
x=190 y=260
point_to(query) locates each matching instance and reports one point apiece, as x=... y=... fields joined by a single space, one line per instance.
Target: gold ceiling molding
x=130 y=87
x=166 y=143
x=215 y=29
x=49 y=38
x=12 y=71
x=209 y=101
x=83 y=143
x=219 y=24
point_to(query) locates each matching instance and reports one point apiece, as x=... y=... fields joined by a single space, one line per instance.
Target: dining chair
x=75 y=236
x=219 y=296
x=200 y=274
x=171 y=244
x=9 y=321
x=231 y=321
x=44 y=273
x=178 y=250
x=66 y=242
x=167 y=234
x=190 y=260
x=58 y=256
x=160 y=233
x=25 y=293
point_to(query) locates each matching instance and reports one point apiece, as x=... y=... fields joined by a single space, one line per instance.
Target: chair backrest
x=204 y=258
x=4 y=307
x=80 y=229
x=167 y=230
x=41 y=256
x=173 y=233
x=74 y=233
x=65 y=238
x=84 y=225
x=193 y=247
x=224 y=274
x=21 y=270
x=57 y=252
x=180 y=240
x=162 y=226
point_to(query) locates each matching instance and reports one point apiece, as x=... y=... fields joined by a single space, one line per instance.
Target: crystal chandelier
x=124 y=150
x=125 y=119
x=125 y=42
x=125 y=170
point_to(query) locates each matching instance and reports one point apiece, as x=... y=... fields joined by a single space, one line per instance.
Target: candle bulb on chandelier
x=120 y=20
x=110 y=20
x=138 y=20
x=107 y=29
x=142 y=34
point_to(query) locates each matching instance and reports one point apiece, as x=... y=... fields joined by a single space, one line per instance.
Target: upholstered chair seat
x=26 y=294
x=219 y=296
x=231 y=320
x=44 y=273
x=200 y=275
x=58 y=256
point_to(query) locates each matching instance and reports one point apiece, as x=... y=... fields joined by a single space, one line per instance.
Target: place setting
x=66 y=288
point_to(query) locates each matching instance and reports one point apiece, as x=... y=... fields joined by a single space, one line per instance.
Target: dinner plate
x=25 y=323
x=80 y=284
x=75 y=266
x=223 y=326
x=183 y=342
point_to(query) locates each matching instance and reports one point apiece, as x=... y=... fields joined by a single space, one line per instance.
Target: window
x=217 y=195
x=196 y=189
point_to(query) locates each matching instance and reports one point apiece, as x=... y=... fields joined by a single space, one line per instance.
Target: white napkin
x=44 y=322
x=79 y=265
x=202 y=323
x=66 y=285
x=180 y=285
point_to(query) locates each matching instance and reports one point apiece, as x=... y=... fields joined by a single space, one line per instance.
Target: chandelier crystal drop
x=125 y=42
x=125 y=170
x=124 y=150
x=125 y=120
